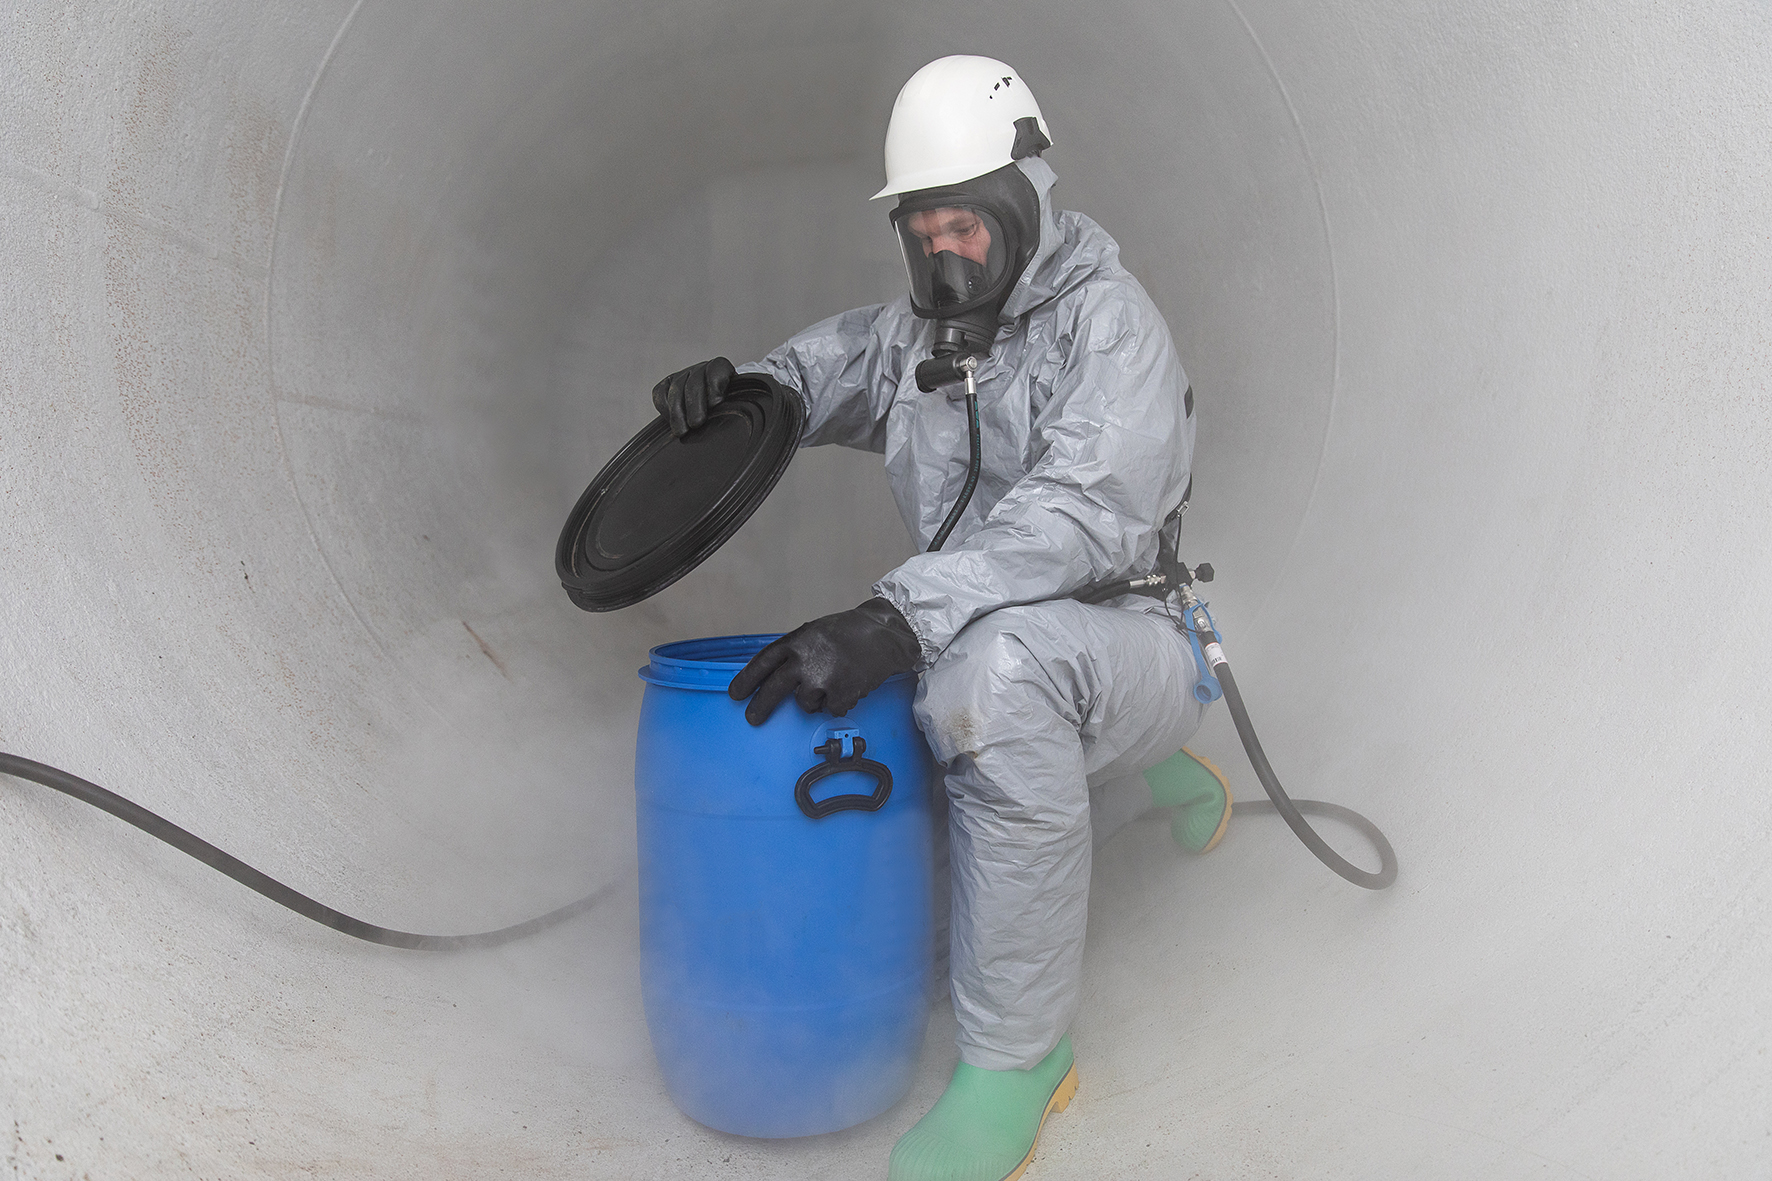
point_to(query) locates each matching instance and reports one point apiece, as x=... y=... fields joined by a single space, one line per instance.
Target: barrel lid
x=663 y=504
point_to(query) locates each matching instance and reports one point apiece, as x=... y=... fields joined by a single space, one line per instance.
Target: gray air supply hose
x=1173 y=576
x=1290 y=809
x=1197 y=623
x=276 y=891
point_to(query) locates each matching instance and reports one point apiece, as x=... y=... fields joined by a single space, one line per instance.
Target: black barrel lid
x=663 y=504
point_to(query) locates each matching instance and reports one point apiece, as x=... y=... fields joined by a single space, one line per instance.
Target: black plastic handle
x=834 y=764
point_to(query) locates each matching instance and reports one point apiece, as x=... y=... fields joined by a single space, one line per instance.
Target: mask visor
x=956 y=257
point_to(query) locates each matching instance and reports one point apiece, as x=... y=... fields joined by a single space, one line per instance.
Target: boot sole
x=1224 y=821
x=1061 y=1099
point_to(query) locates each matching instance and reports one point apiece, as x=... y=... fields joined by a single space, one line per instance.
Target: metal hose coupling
x=946 y=369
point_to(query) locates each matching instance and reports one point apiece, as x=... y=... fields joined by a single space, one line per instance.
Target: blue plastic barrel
x=784 y=897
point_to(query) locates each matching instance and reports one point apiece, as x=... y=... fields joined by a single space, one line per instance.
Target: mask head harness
x=965 y=246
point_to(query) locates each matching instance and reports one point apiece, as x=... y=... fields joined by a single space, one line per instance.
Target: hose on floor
x=252 y=879
x=1291 y=809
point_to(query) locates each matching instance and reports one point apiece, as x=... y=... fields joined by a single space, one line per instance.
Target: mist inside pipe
x=310 y=362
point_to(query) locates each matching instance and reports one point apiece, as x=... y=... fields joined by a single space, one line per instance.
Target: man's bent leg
x=1025 y=707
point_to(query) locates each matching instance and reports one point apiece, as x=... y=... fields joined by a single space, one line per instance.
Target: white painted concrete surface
x=316 y=317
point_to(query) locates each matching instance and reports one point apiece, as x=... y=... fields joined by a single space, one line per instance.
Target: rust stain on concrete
x=490 y=654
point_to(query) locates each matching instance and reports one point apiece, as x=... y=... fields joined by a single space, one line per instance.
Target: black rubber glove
x=830 y=663
x=686 y=395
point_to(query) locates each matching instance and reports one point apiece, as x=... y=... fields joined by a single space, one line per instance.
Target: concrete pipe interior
x=318 y=317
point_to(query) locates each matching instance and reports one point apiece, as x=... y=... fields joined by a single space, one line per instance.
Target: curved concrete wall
x=317 y=316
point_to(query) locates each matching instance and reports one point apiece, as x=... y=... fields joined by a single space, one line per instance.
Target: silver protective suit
x=1028 y=697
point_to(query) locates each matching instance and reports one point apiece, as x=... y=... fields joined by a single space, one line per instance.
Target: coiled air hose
x=252 y=879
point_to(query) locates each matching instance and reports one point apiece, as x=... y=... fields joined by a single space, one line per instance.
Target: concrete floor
x=318 y=316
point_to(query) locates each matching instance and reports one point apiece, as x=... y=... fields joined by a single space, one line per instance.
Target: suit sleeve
x=845 y=369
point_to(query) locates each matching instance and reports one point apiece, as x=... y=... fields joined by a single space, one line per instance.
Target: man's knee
x=991 y=683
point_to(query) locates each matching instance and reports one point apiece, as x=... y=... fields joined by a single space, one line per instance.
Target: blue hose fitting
x=1207 y=689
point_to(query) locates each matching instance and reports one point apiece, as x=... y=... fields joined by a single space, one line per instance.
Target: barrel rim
x=709 y=662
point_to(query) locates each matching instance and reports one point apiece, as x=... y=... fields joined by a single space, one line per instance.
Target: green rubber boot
x=1200 y=795
x=984 y=1126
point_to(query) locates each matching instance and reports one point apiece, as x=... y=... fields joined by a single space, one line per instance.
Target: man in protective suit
x=1027 y=696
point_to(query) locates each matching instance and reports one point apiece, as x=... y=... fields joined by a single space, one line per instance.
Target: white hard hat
x=957 y=118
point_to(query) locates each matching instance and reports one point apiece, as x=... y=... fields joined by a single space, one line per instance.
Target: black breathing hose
x=976 y=447
x=276 y=891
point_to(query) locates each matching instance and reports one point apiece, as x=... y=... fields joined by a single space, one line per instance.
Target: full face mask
x=965 y=246
x=955 y=257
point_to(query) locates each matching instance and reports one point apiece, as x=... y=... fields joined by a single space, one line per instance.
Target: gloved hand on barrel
x=686 y=396
x=830 y=663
